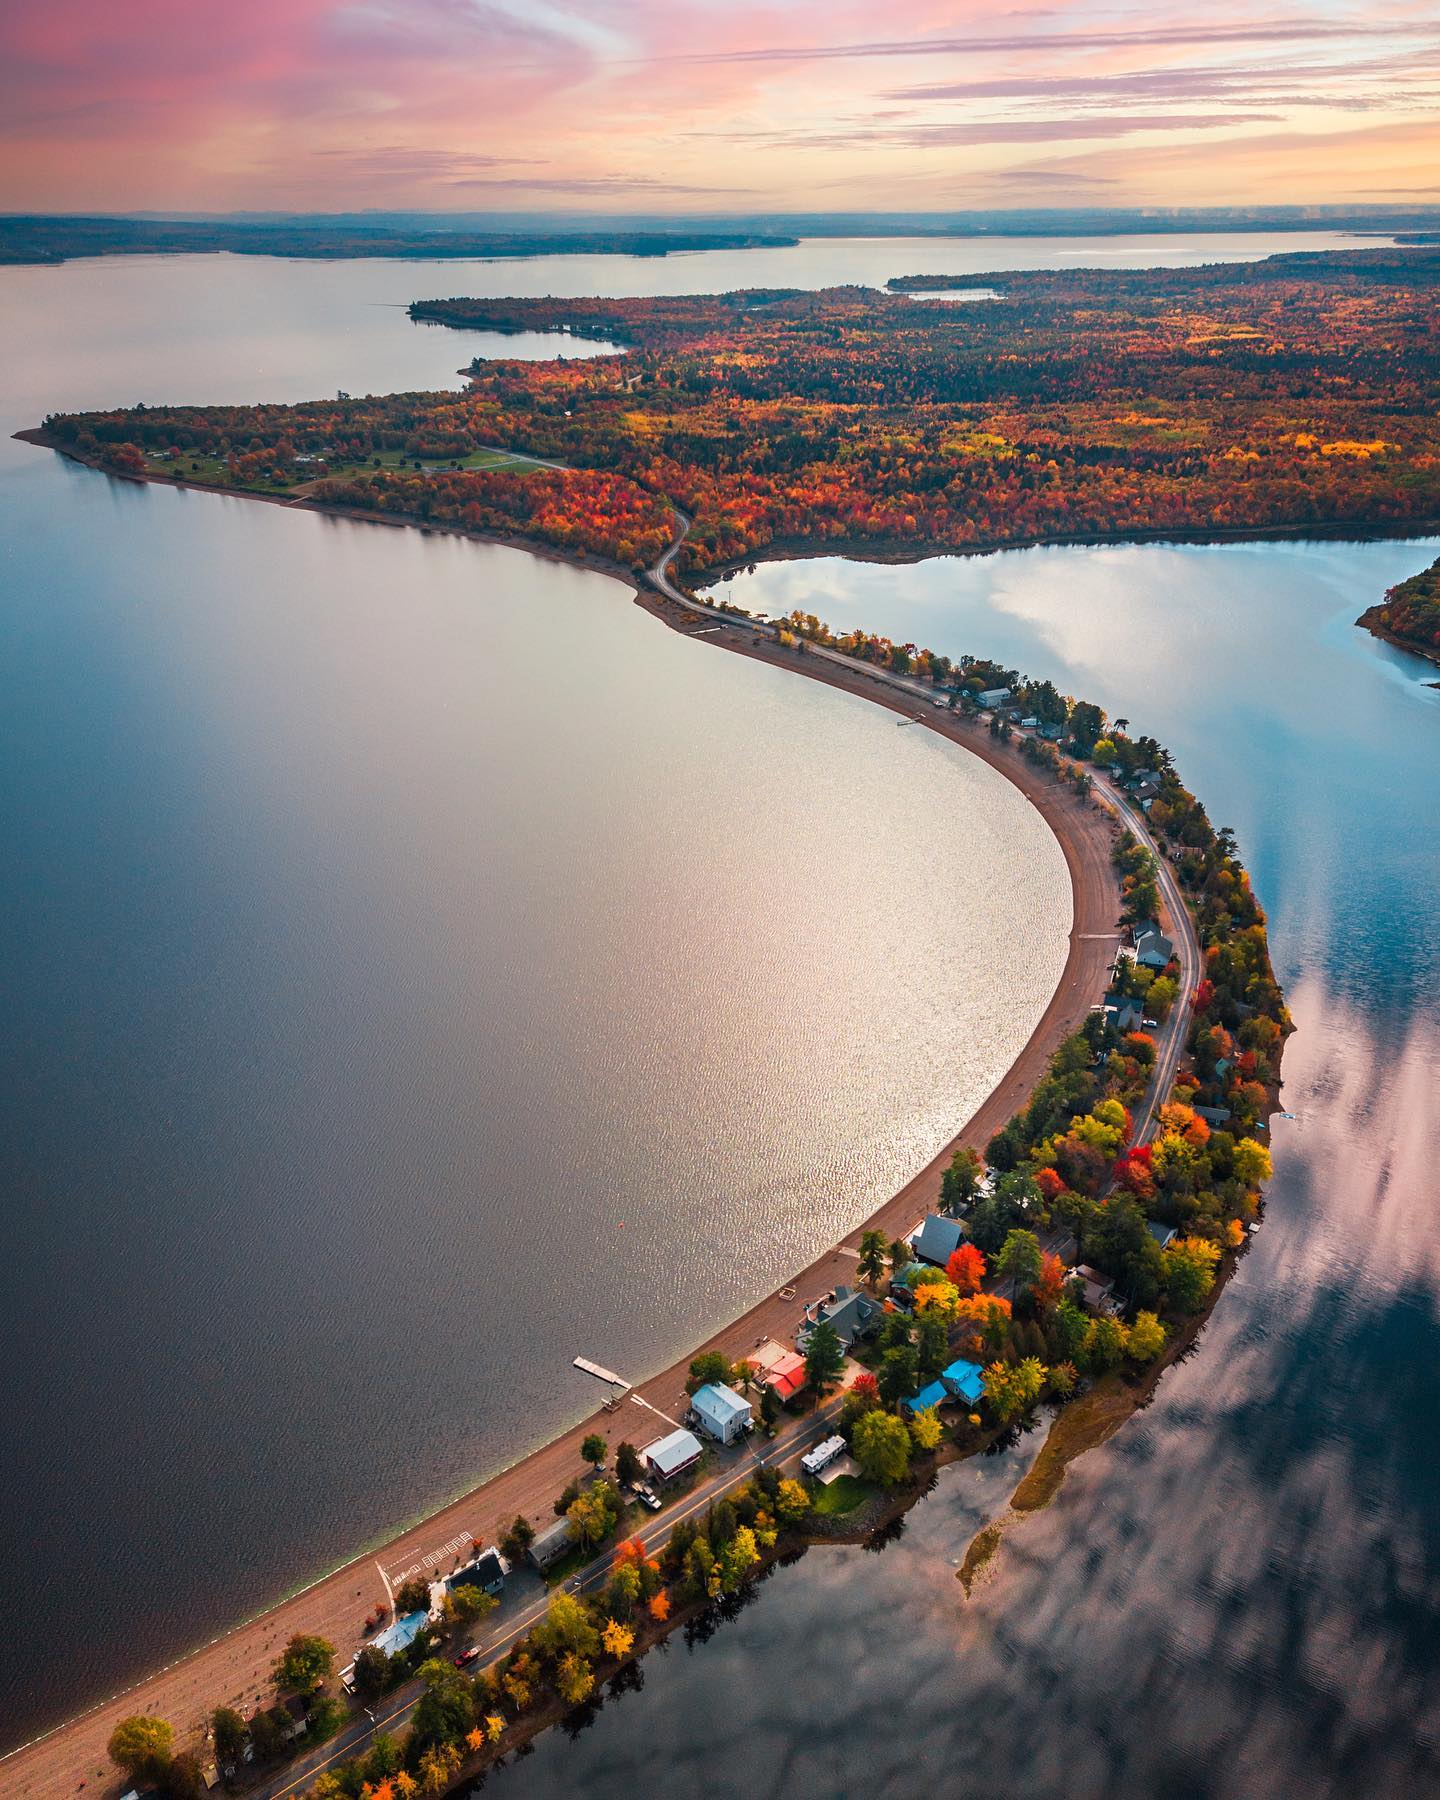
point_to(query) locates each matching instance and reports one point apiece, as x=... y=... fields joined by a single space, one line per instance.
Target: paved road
x=513 y=1620
x=1171 y=1039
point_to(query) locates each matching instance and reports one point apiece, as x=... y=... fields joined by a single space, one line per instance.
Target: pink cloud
x=346 y=103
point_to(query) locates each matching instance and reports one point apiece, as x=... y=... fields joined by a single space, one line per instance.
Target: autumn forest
x=1298 y=393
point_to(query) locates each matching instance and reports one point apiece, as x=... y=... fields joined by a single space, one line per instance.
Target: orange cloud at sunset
x=686 y=106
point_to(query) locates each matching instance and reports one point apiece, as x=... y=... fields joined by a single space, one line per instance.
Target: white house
x=721 y=1412
x=670 y=1457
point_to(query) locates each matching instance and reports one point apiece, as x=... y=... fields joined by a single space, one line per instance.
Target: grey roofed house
x=1123 y=1012
x=993 y=696
x=938 y=1239
x=1162 y=1234
x=1152 y=948
x=1146 y=784
x=852 y=1314
x=299 y=1710
x=551 y=1544
x=1214 y=1115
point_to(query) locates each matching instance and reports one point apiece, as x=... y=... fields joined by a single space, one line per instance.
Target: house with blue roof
x=964 y=1380
x=721 y=1412
x=934 y=1393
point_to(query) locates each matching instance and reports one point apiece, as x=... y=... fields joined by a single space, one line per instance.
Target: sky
x=704 y=106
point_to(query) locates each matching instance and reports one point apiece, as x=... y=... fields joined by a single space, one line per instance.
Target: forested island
x=1291 y=395
x=1409 y=615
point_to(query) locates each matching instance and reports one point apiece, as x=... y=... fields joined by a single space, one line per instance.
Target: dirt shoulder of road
x=233 y=1669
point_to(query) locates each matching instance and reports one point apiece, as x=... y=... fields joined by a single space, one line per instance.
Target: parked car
x=466 y=1657
x=647 y=1497
x=1151 y=1024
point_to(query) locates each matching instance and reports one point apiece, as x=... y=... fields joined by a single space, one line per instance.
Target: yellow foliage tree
x=926 y=1429
x=618 y=1639
x=574 y=1679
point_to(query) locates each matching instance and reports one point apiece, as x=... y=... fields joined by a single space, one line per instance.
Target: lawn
x=842 y=1496
x=215 y=469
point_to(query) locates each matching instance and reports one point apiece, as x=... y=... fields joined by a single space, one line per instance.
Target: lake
x=421 y=967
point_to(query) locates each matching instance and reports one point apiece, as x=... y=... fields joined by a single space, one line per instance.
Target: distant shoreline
x=1399 y=643
x=51 y=239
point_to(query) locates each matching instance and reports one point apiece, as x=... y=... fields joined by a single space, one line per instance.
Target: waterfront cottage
x=964 y=1381
x=1153 y=950
x=550 y=1545
x=1097 y=1291
x=722 y=1413
x=1123 y=1012
x=401 y=1634
x=853 y=1316
x=669 y=1458
x=786 y=1374
x=938 y=1239
x=486 y=1572
x=934 y=1393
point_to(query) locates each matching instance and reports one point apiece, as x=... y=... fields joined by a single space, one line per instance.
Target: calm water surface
x=418 y=968
x=1240 y=1595
x=369 y=1051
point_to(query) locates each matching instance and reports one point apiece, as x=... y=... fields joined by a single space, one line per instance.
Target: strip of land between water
x=233 y=1669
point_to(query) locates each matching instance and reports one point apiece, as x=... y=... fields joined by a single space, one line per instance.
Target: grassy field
x=843 y=1495
x=215 y=471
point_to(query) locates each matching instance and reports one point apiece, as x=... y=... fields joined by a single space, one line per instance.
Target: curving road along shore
x=232 y=1670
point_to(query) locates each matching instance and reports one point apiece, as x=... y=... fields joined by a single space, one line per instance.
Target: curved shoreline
x=885 y=552
x=1396 y=642
x=229 y=1668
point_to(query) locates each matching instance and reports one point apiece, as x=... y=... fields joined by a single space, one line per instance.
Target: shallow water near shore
x=358 y=988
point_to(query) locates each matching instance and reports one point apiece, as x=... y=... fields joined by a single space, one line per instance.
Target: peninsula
x=1294 y=395
x=1409 y=615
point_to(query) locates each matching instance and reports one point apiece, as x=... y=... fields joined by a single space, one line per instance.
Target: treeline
x=54 y=240
x=1065 y=1160
x=583 y=510
x=1410 y=614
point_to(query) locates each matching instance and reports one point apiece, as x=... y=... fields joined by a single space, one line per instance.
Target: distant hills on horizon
x=57 y=237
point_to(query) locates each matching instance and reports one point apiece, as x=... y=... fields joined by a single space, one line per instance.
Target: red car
x=467 y=1656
